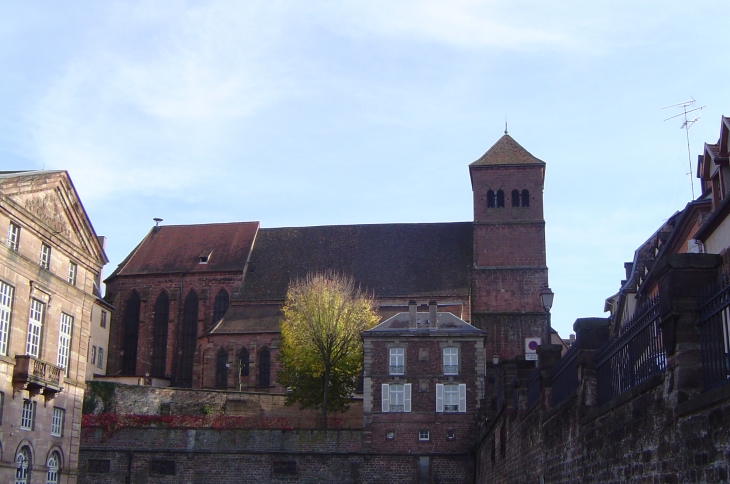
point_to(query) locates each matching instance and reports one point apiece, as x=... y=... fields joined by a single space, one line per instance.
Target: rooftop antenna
x=157 y=221
x=688 y=123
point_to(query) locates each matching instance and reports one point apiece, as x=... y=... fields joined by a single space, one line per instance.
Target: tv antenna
x=688 y=123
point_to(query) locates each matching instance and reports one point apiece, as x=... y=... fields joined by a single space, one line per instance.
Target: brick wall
x=233 y=456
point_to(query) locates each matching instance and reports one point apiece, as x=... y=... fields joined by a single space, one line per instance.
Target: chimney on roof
x=412 y=308
x=432 y=314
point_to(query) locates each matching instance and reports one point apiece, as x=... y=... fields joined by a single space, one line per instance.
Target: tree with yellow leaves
x=320 y=354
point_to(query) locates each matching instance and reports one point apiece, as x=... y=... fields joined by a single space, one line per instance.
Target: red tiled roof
x=178 y=248
x=507 y=151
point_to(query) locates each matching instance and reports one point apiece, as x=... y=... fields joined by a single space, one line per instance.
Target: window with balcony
x=27 y=416
x=13 y=236
x=6 y=297
x=73 y=269
x=45 y=260
x=451 y=361
x=396 y=397
x=451 y=398
x=57 y=421
x=64 y=340
x=397 y=361
x=35 y=321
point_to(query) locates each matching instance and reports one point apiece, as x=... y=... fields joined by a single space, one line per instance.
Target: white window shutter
x=439 y=397
x=462 y=397
x=407 y=397
x=385 y=397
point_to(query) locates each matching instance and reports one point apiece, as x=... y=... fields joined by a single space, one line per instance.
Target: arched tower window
x=54 y=465
x=131 y=334
x=243 y=362
x=22 y=460
x=500 y=199
x=159 y=335
x=515 y=198
x=221 y=369
x=264 y=367
x=490 y=199
x=220 y=306
x=188 y=337
x=525 y=198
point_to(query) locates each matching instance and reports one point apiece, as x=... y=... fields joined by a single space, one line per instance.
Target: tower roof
x=507 y=151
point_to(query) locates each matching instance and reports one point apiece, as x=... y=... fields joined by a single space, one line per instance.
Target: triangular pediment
x=49 y=199
x=507 y=151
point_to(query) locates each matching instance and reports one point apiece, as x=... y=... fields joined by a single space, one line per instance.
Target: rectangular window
x=92 y=358
x=13 y=236
x=28 y=415
x=424 y=435
x=451 y=398
x=45 y=261
x=397 y=361
x=35 y=321
x=57 y=421
x=103 y=319
x=100 y=358
x=451 y=361
x=6 y=297
x=73 y=268
x=64 y=340
x=396 y=397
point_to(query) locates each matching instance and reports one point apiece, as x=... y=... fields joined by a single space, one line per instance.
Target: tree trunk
x=324 y=397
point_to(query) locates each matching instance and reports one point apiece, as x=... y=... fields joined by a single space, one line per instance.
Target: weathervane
x=686 y=125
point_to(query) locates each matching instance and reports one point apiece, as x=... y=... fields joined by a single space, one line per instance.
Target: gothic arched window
x=220 y=306
x=221 y=369
x=188 y=337
x=515 y=198
x=131 y=334
x=500 y=199
x=159 y=335
x=22 y=460
x=525 y=198
x=490 y=199
x=243 y=362
x=54 y=465
x=264 y=367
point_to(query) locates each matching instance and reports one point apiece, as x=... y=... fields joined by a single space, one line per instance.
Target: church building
x=199 y=305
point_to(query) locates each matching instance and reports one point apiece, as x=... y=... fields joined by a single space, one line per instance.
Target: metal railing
x=564 y=375
x=533 y=388
x=636 y=354
x=451 y=369
x=714 y=326
x=396 y=369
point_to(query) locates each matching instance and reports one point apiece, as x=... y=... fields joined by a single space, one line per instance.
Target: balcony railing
x=636 y=354
x=37 y=376
x=397 y=408
x=564 y=376
x=396 y=369
x=451 y=369
x=714 y=326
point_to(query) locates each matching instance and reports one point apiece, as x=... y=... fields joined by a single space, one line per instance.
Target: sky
x=336 y=112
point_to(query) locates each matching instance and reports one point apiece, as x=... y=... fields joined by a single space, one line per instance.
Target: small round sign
x=532 y=345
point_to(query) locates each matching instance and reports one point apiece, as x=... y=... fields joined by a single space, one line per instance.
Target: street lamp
x=546 y=297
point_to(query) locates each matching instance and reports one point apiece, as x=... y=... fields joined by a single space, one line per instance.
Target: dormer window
x=204 y=256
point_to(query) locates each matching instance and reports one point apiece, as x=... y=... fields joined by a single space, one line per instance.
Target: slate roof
x=507 y=151
x=447 y=322
x=177 y=248
x=390 y=260
x=249 y=318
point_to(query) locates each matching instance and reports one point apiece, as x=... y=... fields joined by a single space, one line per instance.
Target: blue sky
x=324 y=112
